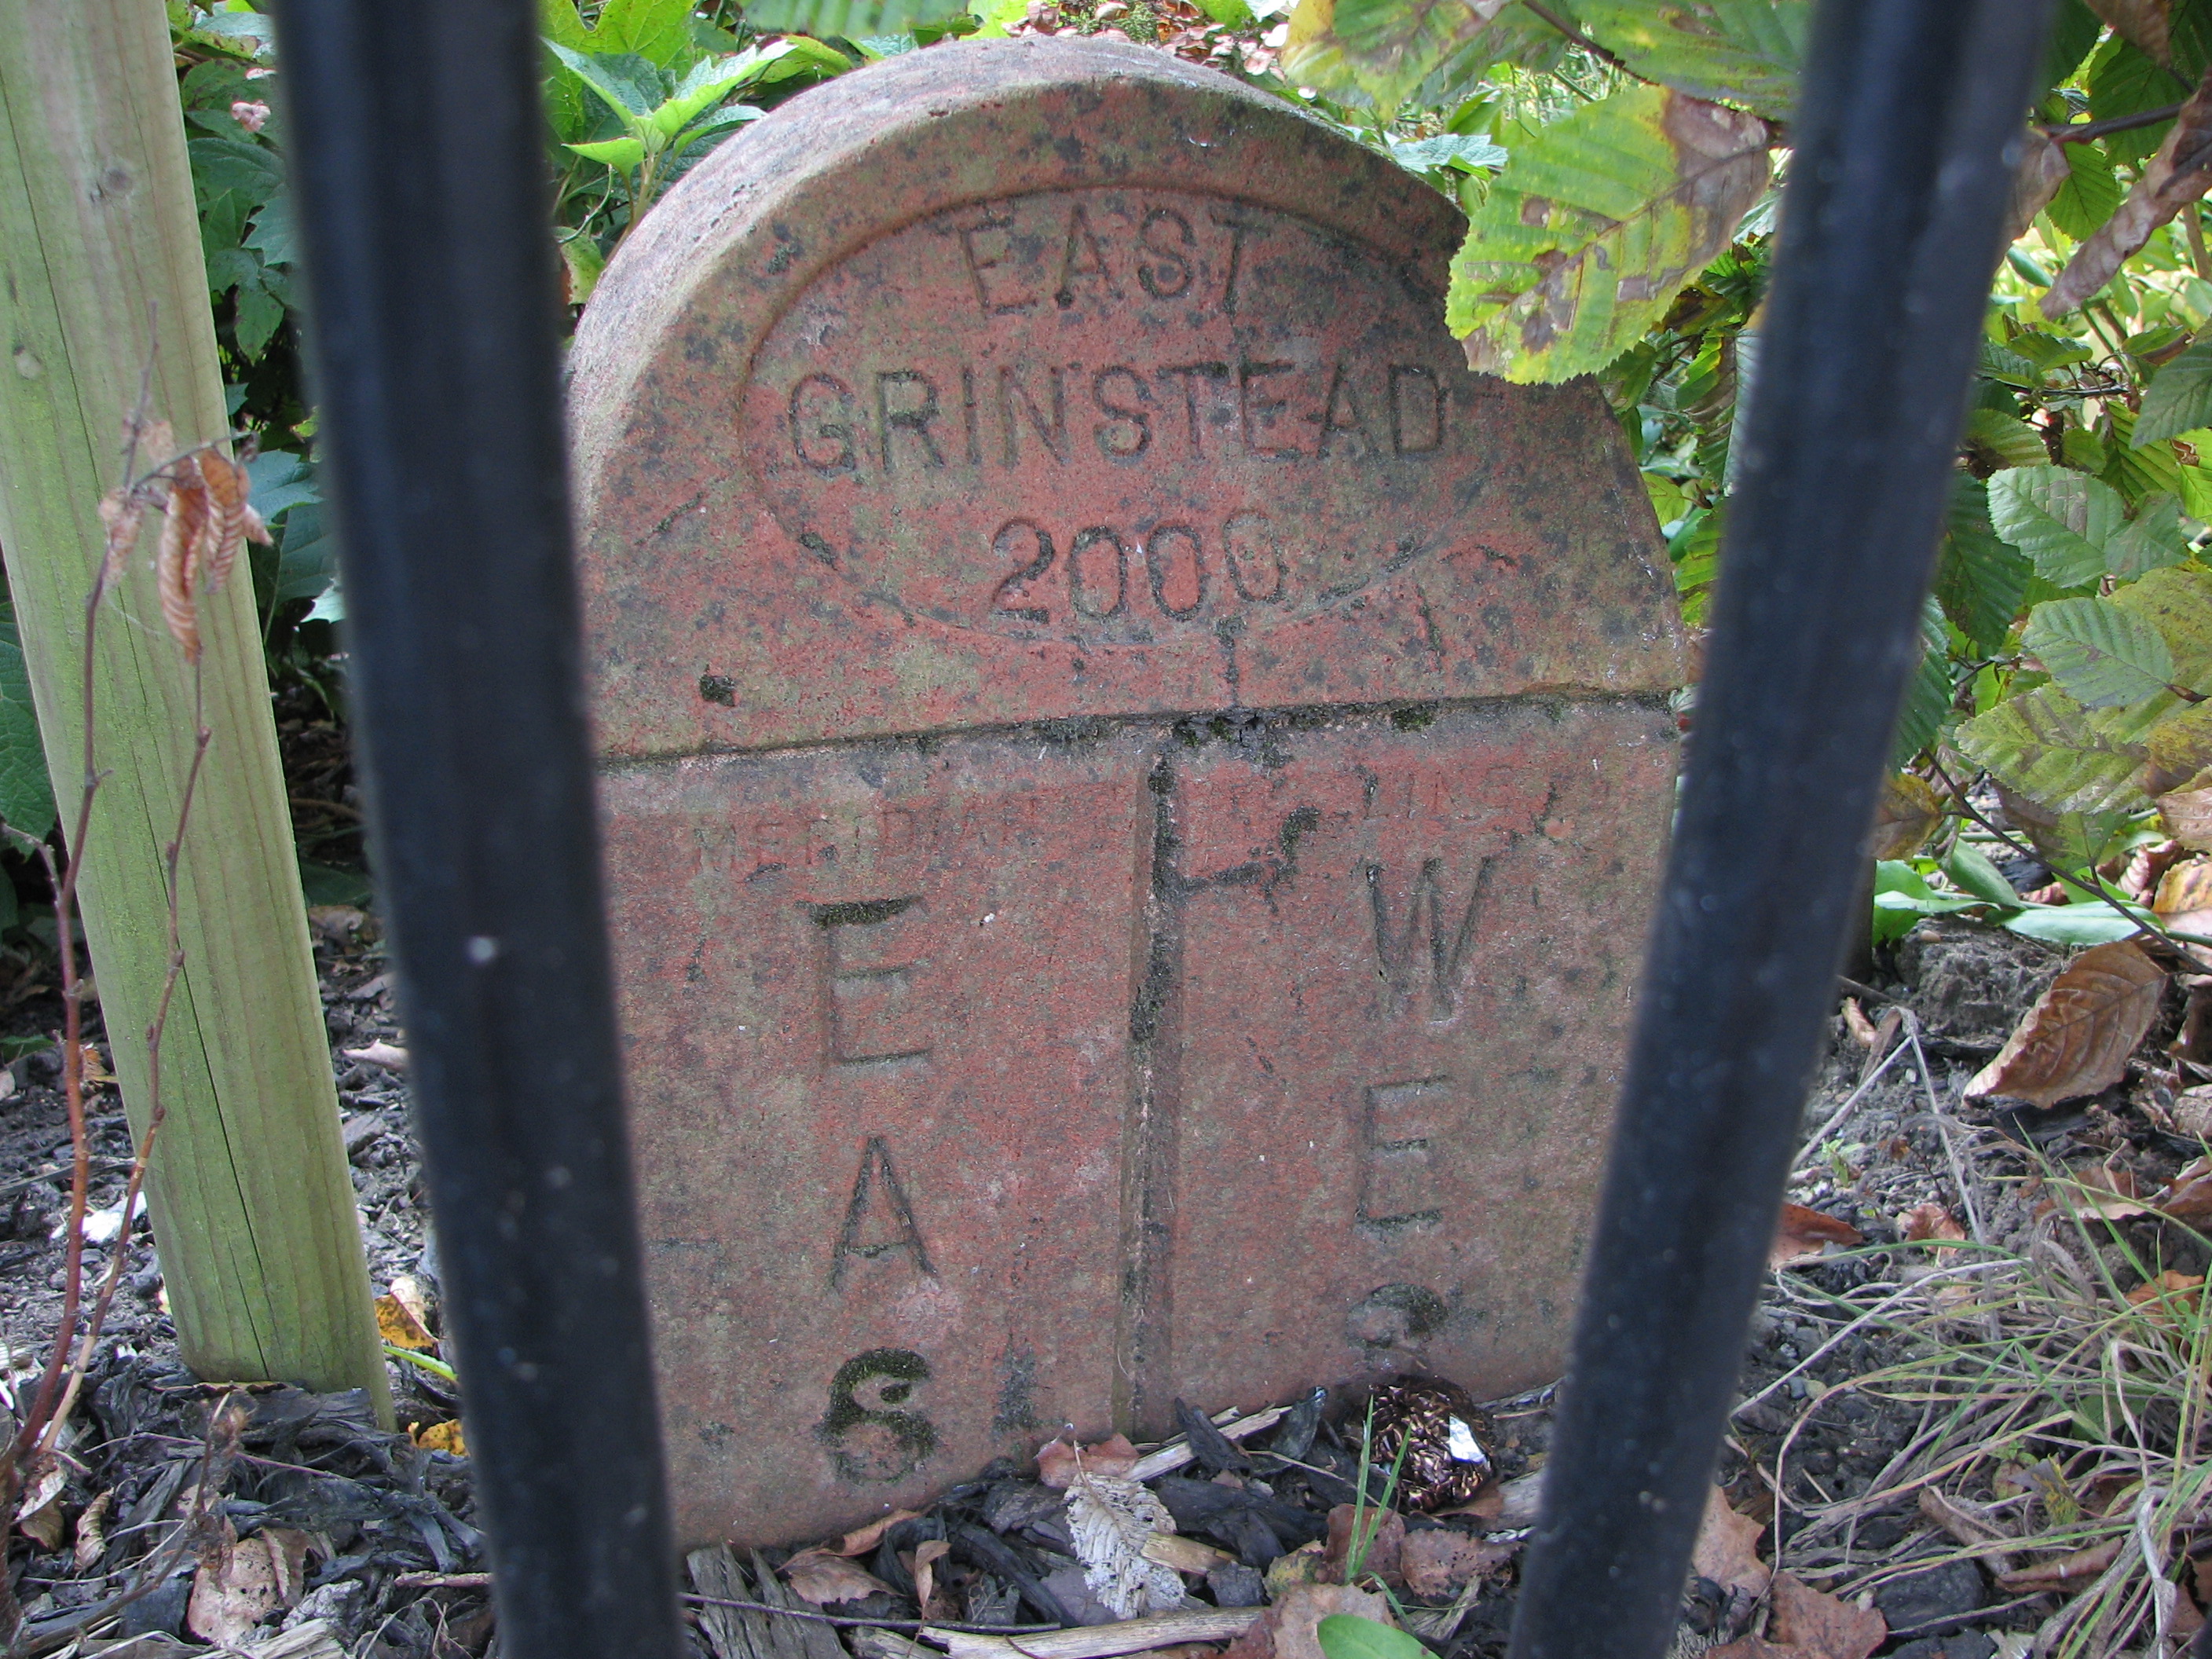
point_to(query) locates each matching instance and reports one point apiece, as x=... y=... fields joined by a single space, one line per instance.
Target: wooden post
x=101 y=275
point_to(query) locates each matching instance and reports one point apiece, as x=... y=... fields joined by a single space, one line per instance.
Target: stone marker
x=1133 y=781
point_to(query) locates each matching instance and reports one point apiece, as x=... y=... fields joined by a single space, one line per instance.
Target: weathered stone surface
x=1134 y=783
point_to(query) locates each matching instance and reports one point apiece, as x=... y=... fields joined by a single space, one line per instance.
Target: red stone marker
x=1133 y=781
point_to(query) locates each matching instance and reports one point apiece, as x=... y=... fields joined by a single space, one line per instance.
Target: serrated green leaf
x=2099 y=654
x=1980 y=581
x=2090 y=194
x=1466 y=151
x=627 y=84
x=2124 y=81
x=2073 y=32
x=2179 y=396
x=1928 y=694
x=1971 y=870
x=658 y=31
x=709 y=82
x=2002 y=362
x=849 y=19
x=1386 y=54
x=1348 y=1636
x=280 y=482
x=1230 y=13
x=220 y=165
x=1742 y=51
x=2048 y=748
x=26 y=796
x=2178 y=602
x=2150 y=541
x=1596 y=225
x=2061 y=519
x=2004 y=439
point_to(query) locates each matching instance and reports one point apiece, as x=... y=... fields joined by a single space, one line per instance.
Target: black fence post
x=419 y=177
x=1908 y=125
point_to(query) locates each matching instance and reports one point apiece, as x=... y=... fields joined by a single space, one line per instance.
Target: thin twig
x=872 y=1623
x=1943 y=1131
x=2081 y=132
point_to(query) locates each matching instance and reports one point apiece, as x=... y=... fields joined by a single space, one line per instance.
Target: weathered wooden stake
x=101 y=275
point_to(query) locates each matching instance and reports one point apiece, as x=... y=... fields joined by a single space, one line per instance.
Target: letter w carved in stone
x=1428 y=911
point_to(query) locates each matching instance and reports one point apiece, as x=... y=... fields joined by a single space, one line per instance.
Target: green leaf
x=2151 y=540
x=2179 y=396
x=2047 y=747
x=1463 y=150
x=658 y=31
x=2100 y=655
x=2073 y=33
x=2004 y=439
x=1348 y=1636
x=2178 y=602
x=324 y=883
x=280 y=482
x=707 y=85
x=1594 y=227
x=2002 y=362
x=307 y=559
x=2061 y=519
x=1928 y=694
x=2090 y=193
x=1386 y=53
x=235 y=164
x=1902 y=896
x=2124 y=81
x=26 y=796
x=2092 y=921
x=1230 y=13
x=625 y=154
x=272 y=236
x=849 y=19
x=1742 y=51
x=1972 y=872
x=256 y=317
x=1980 y=581
x=627 y=84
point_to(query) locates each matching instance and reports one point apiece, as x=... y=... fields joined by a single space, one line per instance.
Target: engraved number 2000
x=1086 y=576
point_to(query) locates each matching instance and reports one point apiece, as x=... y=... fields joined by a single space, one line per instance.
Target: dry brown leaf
x=1728 y=1548
x=2171 y=1292
x=819 y=1576
x=1814 y=1622
x=927 y=1555
x=2185 y=887
x=92 y=1532
x=2192 y=1107
x=2186 y=812
x=228 y=487
x=1111 y=1520
x=2193 y=1043
x=1059 y=1461
x=1381 y=1536
x=860 y=1540
x=1286 y=1631
x=1753 y=1647
x=1860 y=1028
x=1439 y=1562
x=2178 y=175
x=120 y=517
x=1907 y=814
x=2076 y=1039
x=2188 y=1196
x=2041 y=172
x=2064 y=1572
x=240 y=1582
x=1801 y=1234
x=1927 y=1221
x=2143 y=24
x=184 y=532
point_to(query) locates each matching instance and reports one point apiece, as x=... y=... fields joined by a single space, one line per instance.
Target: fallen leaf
x=1439 y=1562
x=1111 y=1520
x=2188 y=1196
x=2076 y=1039
x=819 y=1576
x=446 y=1437
x=927 y=1555
x=1907 y=814
x=2063 y=1572
x=1286 y=1572
x=1861 y=1028
x=1381 y=1536
x=1728 y=1548
x=1286 y=1631
x=1801 y=1234
x=2178 y=175
x=1059 y=1461
x=1814 y=1622
x=2192 y=1107
x=397 y=1323
x=2186 y=813
x=2103 y=1190
x=37 y=1511
x=2168 y=1294
x=379 y=1053
x=92 y=1532
x=1752 y=1647
x=241 y=1581
x=860 y=1540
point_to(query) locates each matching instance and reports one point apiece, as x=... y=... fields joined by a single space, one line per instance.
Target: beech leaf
x=819 y=1576
x=1111 y=1520
x=1815 y=1623
x=2177 y=176
x=1801 y=1234
x=2077 y=1037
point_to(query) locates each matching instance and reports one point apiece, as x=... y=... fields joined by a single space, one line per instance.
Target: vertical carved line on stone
x=1151 y=1126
